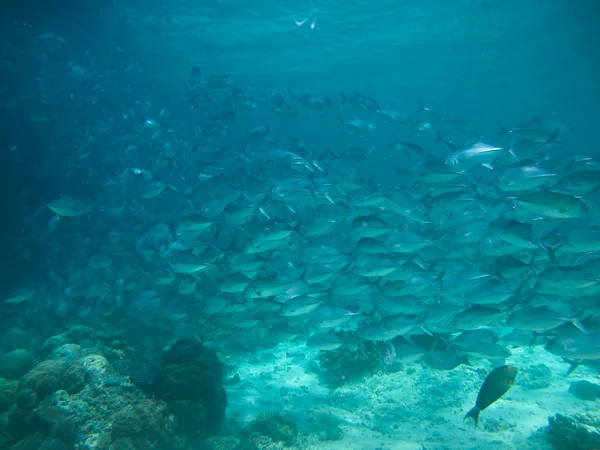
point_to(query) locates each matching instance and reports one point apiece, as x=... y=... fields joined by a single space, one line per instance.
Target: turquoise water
x=120 y=331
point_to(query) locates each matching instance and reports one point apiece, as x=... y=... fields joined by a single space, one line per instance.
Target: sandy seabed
x=415 y=407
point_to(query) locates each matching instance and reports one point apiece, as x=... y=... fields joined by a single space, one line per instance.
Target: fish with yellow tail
x=494 y=386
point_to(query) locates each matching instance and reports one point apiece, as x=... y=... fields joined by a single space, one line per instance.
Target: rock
x=537 y=376
x=31 y=442
x=67 y=351
x=580 y=432
x=46 y=378
x=585 y=390
x=190 y=419
x=221 y=442
x=54 y=410
x=54 y=342
x=276 y=427
x=143 y=418
x=96 y=367
x=8 y=394
x=192 y=372
x=15 y=364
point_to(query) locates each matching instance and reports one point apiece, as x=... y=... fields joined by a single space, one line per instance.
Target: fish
x=541 y=130
x=221 y=215
x=583 y=346
x=68 y=207
x=324 y=341
x=495 y=385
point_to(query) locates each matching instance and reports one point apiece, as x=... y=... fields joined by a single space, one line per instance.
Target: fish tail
x=577 y=323
x=552 y=255
x=502 y=127
x=473 y=414
x=573 y=365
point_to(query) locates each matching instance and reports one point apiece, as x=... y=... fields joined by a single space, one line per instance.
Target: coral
x=537 y=376
x=54 y=342
x=141 y=418
x=221 y=443
x=78 y=403
x=46 y=378
x=192 y=372
x=31 y=442
x=67 y=351
x=23 y=419
x=105 y=416
x=189 y=419
x=140 y=372
x=580 y=432
x=8 y=393
x=80 y=334
x=15 y=364
x=275 y=426
x=96 y=366
x=344 y=365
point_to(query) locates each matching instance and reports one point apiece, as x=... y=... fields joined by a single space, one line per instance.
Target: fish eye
x=537 y=285
x=513 y=206
x=583 y=209
x=570 y=130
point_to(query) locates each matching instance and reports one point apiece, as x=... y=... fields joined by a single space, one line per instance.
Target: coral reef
x=74 y=399
x=274 y=426
x=345 y=365
x=140 y=372
x=579 y=432
x=193 y=373
x=8 y=393
x=15 y=364
x=50 y=376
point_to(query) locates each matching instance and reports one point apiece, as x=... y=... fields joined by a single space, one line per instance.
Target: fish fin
x=407 y=339
x=511 y=152
x=424 y=328
x=572 y=367
x=503 y=129
x=473 y=414
x=576 y=323
x=551 y=255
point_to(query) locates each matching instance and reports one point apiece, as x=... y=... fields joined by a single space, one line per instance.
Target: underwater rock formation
x=193 y=373
x=274 y=426
x=585 y=390
x=8 y=393
x=75 y=399
x=344 y=365
x=579 y=432
x=15 y=364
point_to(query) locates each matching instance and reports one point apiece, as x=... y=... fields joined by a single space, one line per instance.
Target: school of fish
x=482 y=244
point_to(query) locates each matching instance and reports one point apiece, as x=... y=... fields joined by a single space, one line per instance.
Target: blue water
x=491 y=62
